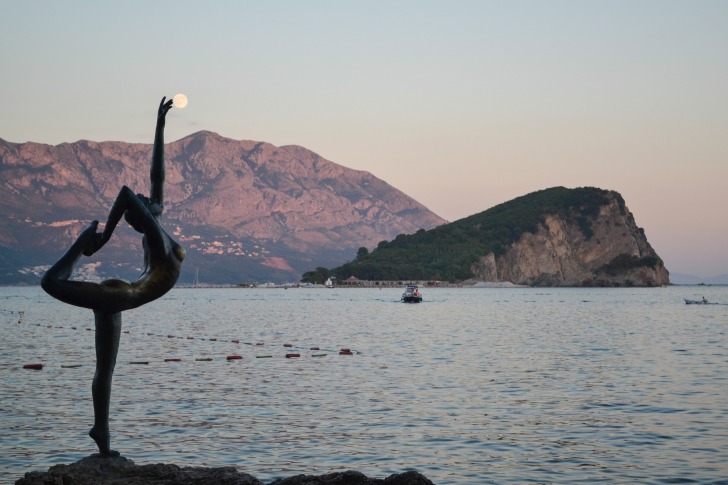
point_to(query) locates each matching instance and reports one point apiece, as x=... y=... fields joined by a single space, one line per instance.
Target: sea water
x=471 y=386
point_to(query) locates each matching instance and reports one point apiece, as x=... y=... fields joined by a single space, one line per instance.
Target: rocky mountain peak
x=245 y=210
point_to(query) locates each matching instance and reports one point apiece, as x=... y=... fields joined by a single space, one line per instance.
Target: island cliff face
x=606 y=250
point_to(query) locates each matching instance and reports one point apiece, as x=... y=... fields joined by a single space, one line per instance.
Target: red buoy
x=33 y=366
x=234 y=357
x=173 y=360
x=288 y=356
x=345 y=352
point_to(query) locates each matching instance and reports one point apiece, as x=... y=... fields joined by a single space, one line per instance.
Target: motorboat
x=411 y=294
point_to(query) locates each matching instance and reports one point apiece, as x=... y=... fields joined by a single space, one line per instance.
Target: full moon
x=179 y=101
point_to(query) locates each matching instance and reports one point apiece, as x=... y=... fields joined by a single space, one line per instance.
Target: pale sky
x=462 y=105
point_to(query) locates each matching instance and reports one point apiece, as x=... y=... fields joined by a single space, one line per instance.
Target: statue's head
x=135 y=220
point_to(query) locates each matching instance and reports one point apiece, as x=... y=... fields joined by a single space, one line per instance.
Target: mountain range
x=245 y=211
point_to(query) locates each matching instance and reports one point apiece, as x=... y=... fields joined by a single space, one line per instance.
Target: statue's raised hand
x=164 y=107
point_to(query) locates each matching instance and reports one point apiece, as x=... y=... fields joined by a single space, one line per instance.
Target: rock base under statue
x=122 y=471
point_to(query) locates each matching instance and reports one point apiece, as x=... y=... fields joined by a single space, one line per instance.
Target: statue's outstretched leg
x=108 y=333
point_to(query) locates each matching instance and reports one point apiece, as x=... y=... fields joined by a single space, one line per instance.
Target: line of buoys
x=288 y=345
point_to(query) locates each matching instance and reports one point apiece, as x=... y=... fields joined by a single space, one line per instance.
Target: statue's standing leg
x=108 y=333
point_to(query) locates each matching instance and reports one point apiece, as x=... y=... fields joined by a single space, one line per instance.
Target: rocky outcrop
x=122 y=471
x=244 y=210
x=573 y=249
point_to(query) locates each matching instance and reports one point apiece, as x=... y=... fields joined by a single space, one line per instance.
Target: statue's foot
x=89 y=239
x=110 y=454
x=103 y=441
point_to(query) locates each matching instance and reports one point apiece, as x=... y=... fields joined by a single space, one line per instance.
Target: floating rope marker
x=212 y=340
x=288 y=345
x=235 y=341
x=318 y=355
x=33 y=366
x=314 y=348
x=204 y=359
x=263 y=356
x=289 y=356
x=70 y=366
x=259 y=344
x=140 y=362
x=234 y=357
x=173 y=360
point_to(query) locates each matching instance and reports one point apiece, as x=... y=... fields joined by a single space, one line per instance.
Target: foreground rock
x=122 y=471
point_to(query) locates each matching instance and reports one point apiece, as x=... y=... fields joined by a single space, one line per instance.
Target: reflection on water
x=471 y=386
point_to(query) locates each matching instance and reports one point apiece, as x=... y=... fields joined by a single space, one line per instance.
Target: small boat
x=411 y=294
x=698 y=302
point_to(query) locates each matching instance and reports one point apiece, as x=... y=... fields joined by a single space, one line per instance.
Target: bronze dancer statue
x=162 y=263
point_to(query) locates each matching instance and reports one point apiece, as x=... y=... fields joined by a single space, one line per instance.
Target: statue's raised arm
x=156 y=173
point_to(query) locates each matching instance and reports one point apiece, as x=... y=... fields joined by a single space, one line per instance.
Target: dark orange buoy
x=234 y=357
x=33 y=366
x=345 y=352
x=288 y=356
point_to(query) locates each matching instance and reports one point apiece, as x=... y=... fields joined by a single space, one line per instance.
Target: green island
x=448 y=252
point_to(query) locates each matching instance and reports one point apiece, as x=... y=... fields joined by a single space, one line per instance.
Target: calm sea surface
x=473 y=386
